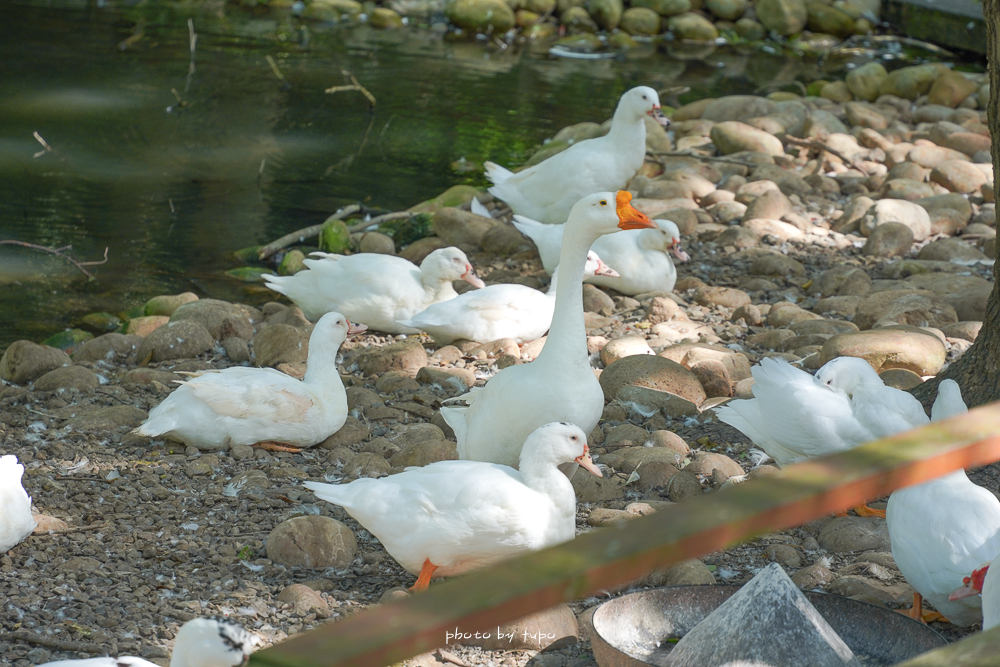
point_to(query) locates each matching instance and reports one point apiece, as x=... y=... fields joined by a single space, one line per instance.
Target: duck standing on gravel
x=559 y=385
x=16 y=521
x=201 y=642
x=450 y=517
x=548 y=190
x=246 y=406
x=375 y=290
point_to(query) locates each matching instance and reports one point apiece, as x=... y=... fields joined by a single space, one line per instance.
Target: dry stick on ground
x=304 y=233
x=354 y=86
x=59 y=253
x=821 y=147
x=50 y=642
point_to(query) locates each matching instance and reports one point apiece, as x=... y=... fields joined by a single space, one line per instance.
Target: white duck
x=246 y=406
x=450 y=517
x=559 y=385
x=795 y=416
x=497 y=311
x=16 y=522
x=201 y=642
x=943 y=529
x=548 y=190
x=374 y=289
x=639 y=256
x=982 y=582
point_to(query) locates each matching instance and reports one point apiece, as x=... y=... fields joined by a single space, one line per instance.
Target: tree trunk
x=978 y=371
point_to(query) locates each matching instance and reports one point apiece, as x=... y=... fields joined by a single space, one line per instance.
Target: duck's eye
x=604 y=202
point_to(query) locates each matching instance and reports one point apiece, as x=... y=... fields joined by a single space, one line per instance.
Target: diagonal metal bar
x=608 y=558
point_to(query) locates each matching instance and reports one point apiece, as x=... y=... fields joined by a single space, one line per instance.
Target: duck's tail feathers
x=496 y=173
x=276 y=283
x=455 y=418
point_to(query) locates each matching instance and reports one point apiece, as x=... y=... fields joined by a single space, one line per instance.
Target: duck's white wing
x=547 y=238
x=253 y=393
x=886 y=411
x=578 y=168
x=791 y=417
x=16 y=521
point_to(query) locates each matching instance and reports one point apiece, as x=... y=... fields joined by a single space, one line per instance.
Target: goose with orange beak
x=450 y=517
x=548 y=190
x=559 y=385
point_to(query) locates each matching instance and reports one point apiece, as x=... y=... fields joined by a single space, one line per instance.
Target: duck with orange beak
x=983 y=581
x=559 y=385
x=548 y=190
x=450 y=517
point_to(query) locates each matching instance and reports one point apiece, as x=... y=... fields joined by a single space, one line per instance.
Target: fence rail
x=607 y=558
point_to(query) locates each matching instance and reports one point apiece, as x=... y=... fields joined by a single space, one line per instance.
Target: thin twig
x=76 y=478
x=76 y=529
x=50 y=642
x=277 y=72
x=192 y=41
x=59 y=253
x=354 y=86
x=379 y=220
x=304 y=233
x=820 y=146
x=45 y=147
x=708 y=158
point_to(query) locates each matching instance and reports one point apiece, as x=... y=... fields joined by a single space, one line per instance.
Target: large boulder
x=25 y=361
x=487 y=16
x=651 y=372
x=181 y=339
x=218 y=317
x=895 y=347
x=314 y=542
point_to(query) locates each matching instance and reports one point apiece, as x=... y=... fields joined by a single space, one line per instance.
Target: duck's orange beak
x=630 y=217
x=470 y=277
x=585 y=461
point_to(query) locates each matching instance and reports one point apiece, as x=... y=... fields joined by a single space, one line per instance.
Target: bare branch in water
x=46 y=148
x=361 y=226
x=277 y=72
x=59 y=253
x=354 y=86
x=304 y=233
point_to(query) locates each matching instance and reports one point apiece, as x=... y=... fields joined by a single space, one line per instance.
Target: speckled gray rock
x=652 y=372
x=109 y=347
x=68 y=377
x=25 y=361
x=182 y=339
x=211 y=314
x=854 y=533
x=280 y=344
x=406 y=355
x=769 y=622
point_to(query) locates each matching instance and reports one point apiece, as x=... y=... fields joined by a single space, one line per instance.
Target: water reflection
x=172 y=171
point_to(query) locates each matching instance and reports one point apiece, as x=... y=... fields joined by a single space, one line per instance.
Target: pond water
x=172 y=168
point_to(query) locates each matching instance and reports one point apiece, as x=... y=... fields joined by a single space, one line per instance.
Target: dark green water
x=172 y=189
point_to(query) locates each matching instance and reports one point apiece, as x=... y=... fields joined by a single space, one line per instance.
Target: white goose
x=450 y=517
x=943 y=529
x=639 y=256
x=548 y=190
x=16 y=522
x=795 y=416
x=246 y=406
x=559 y=385
x=497 y=311
x=201 y=642
x=373 y=289
x=986 y=582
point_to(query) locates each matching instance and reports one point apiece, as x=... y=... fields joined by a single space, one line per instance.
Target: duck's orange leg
x=864 y=510
x=276 y=447
x=424 y=580
x=917 y=612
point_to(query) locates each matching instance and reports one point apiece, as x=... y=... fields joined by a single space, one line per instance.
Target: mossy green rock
x=385 y=19
x=166 y=304
x=909 y=82
x=750 y=30
x=579 y=19
x=68 y=340
x=563 y=5
x=579 y=132
x=727 y=10
x=829 y=20
x=694 y=27
x=540 y=7
x=488 y=16
x=248 y=254
x=640 y=21
x=865 y=81
x=101 y=322
x=785 y=17
x=606 y=13
x=248 y=274
x=334 y=237
x=553 y=147
x=664 y=7
x=622 y=41
x=457 y=195
x=539 y=31
x=331 y=10
x=292 y=263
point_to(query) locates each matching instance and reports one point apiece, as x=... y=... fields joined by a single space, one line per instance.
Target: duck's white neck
x=625 y=127
x=540 y=474
x=321 y=366
x=567 y=339
x=437 y=288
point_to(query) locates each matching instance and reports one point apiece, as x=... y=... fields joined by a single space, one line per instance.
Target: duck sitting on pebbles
x=450 y=517
x=375 y=290
x=246 y=406
x=16 y=521
x=548 y=190
x=201 y=642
